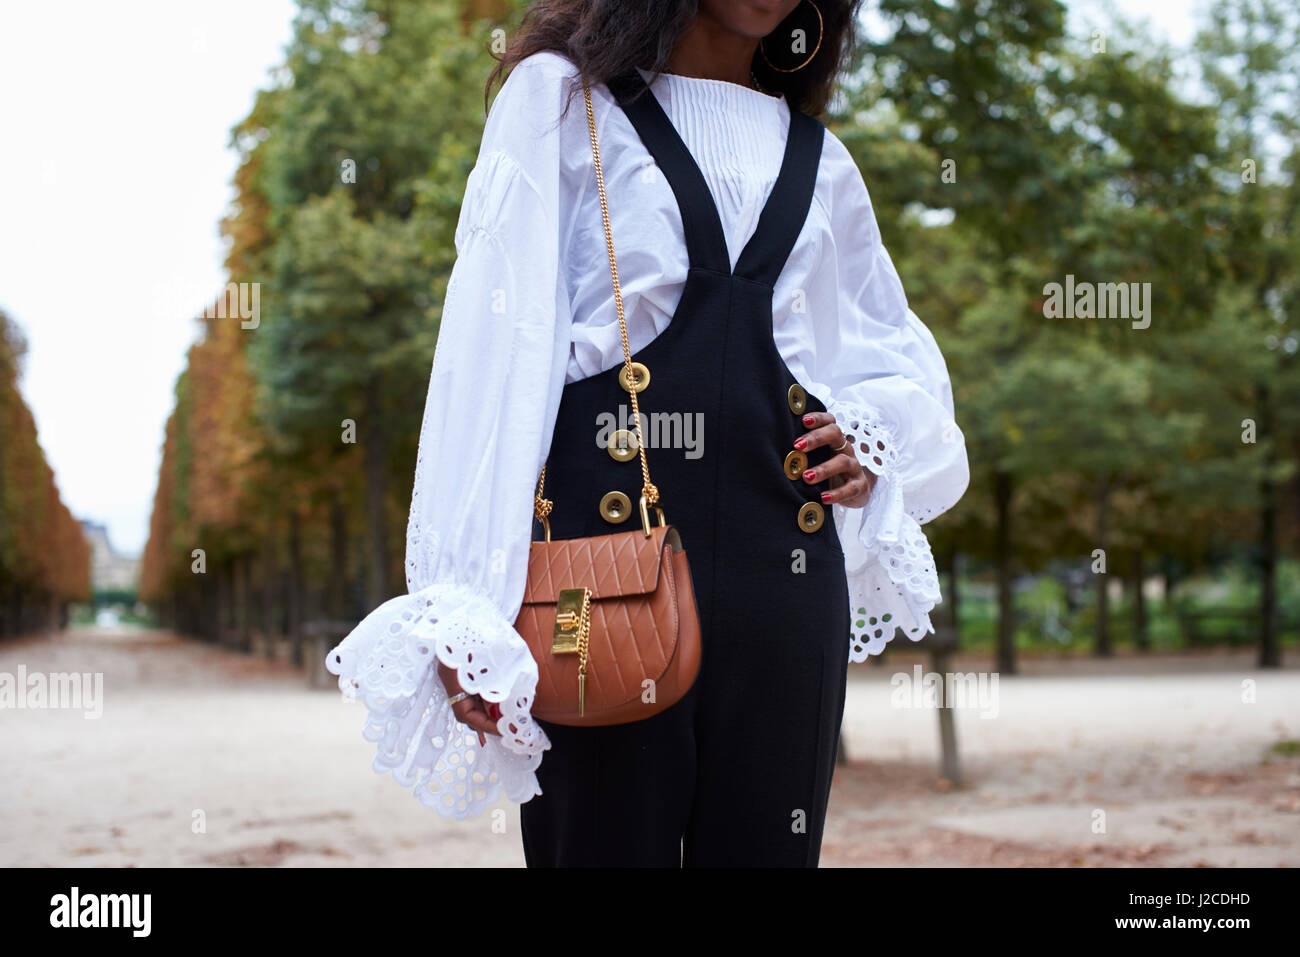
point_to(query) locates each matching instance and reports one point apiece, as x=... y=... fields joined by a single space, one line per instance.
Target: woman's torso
x=722 y=407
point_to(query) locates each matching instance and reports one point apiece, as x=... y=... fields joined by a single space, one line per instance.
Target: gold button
x=811 y=517
x=615 y=507
x=622 y=446
x=640 y=377
x=797 y=398
x=795 y=463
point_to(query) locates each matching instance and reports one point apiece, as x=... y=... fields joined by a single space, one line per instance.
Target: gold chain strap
x=650 y=494
x=584 y=637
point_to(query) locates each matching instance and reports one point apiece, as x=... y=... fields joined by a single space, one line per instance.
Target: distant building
x=108 y=568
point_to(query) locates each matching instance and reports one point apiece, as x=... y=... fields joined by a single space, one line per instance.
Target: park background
x=1127 y=547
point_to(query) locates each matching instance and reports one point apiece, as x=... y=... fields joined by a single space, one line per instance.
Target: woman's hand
x=851 y=484
x=472 y=711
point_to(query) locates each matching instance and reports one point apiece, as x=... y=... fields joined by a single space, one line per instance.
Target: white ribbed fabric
x=530 y=307
x=740 y=159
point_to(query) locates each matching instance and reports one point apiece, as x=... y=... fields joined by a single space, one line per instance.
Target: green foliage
x=1065 y=160
x=353 y=269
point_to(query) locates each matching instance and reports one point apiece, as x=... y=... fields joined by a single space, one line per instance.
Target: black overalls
x=737 y=773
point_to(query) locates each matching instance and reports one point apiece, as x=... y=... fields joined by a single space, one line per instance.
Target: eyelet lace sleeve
x=893 y=583
x=389 y=663
x=494 y=392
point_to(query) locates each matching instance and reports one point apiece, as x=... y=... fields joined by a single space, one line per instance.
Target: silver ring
x=843 y=445
x=457 y=698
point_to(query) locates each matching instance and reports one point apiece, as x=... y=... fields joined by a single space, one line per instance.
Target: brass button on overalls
x=797 y=398
x=615 y=507
x=811 y=517
x=622 y=446
x=795 y=463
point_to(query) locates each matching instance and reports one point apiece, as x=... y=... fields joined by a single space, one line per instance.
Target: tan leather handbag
x=611 y=620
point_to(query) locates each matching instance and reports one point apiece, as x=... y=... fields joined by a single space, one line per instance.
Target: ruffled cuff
x=893 y=582
x=874 y=445
x=389 y=661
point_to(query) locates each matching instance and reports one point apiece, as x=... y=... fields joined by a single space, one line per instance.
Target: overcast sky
x=114 y=173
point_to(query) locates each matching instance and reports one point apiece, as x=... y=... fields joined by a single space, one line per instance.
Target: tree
x=1250 y=59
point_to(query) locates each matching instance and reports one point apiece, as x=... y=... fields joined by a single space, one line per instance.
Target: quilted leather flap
x=627 y=563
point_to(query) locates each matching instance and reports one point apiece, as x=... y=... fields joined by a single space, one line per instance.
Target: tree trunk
x=293 y=599
x=1006 y=654
x=1269 y=653
x=1140 y=635
x=245 y=566
x=954 y=595
x=225 y=601
x=335 y=601
x=374 y=449
x=266 y=592
x=1103 y=649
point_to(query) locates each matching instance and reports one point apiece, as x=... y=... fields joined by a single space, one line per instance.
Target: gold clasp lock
x=572 y=620
x=645 y=515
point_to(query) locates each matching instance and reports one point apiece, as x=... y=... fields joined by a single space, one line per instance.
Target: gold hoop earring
x=821 y=30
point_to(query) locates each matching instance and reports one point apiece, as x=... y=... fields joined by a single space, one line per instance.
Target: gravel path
x=1125 y=762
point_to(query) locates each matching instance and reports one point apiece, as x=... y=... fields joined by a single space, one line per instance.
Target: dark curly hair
x=604 y=37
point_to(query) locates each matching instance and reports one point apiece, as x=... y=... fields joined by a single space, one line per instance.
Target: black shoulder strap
x=787 y=206
x=706 y=243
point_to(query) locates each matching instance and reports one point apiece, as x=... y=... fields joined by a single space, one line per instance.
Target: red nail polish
x=826 y=496
x=809 y=475
x=801 y=444
x=808 y=420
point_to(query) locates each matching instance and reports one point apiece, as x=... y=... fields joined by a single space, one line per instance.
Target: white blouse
x=529 y=307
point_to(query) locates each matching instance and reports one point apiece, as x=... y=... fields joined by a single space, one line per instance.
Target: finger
x=479 y=719
x=462 y=710
x=867 y=484
x=482 y=741
x=470 y=711
x=482 y=724
x=835 y=465
x=829 y=436
x=812 y=420
x=467 y=708
x=854 y=492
